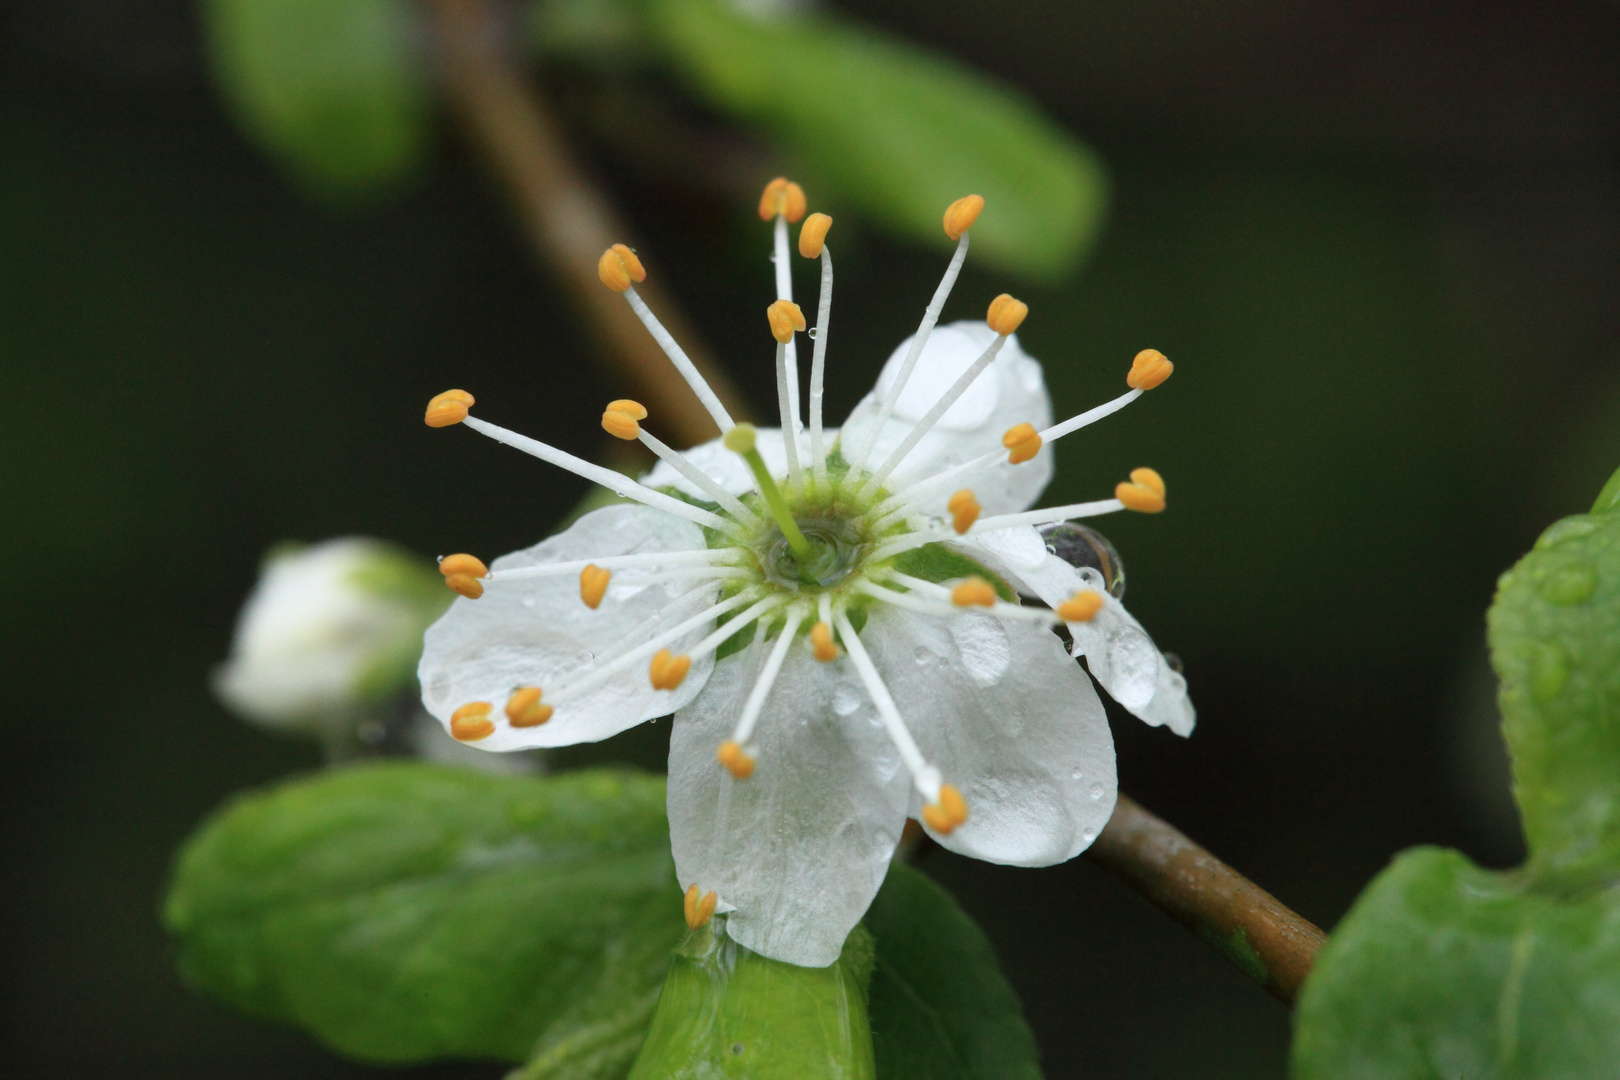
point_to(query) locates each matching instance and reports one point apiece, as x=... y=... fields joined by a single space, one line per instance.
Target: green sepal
x=937 y=563
x=726 y=1011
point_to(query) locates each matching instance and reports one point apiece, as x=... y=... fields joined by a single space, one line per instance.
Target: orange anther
x=813 y=235
x=782 y=196
x=593 y=583
x=471 y=722
x=785 y=317
x=736 y=760
x=523 y=708
x=621 y=425
x=619 y=268
x=961 y=214
x=1023 y=442
x=636 y=409
x=466 y=585
x=448 y=408
x=471 y=565
x=1081 y=607
x=950 y=811
x=964 y=509
x=1150 y=368
x=822 y=644
x=1006 y=314
x=1144 y=492
x=667 y=671
x=700 y=907
x=974 y=591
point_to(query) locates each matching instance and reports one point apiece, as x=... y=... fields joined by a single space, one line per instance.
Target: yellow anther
x=621 y=425
x=1023 y=442
x=700 y=907
x=465 y=584
x=471 y=722
x=1081 y=607
x=1006 y=314
x=822 y=643
x=740 y=439
x=974 y=591
x=1150 y=368
x=950 y=811
x=667 y=671
x=1144 y=492
x=471 y=565
x=448 y=408
x=593 y=583
x=961 y=214
x=813 y=235
x=619 y=268
x=785 y=317
x=964 y=509
x=736 y=760
x=636 y=409
x=524 y=709
x=782 y=196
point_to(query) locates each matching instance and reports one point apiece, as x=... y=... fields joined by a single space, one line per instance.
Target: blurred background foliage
x=1379 y=240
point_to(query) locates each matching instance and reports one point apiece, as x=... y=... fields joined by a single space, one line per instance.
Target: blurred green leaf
x=893 y=131
x=941 y=1009
x=727 y=1011
x=403 y=912
x=329 y=88
x=1442 y=969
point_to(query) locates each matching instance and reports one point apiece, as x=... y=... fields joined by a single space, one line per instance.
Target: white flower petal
x=1118 y=650
x=538 y=632
x=1011 y=721
x=1011 y=391
x=727 y=467
x=800 y=848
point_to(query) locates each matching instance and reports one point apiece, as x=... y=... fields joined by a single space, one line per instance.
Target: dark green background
x=1379 y=240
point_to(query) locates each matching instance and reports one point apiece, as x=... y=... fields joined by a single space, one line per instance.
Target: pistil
x=741 y=440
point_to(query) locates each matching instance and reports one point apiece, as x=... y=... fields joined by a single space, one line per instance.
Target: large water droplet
x=1565 y=582
x=1082 y=546
x=982 y=641
x=846 y=699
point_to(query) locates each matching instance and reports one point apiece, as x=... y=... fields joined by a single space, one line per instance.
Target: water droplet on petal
x=528 y=600
x=846 y=699
x=923 y=657
x=583 y=657
x=1096 y=792
x=812 y=331
x=884 y=842
x=985 y=649
x=1078 y=772
x=1083 y=547
x=1088 y=834
x=1173 y=662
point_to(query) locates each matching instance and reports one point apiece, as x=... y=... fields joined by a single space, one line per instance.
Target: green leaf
x=1609 y=497
x=728 y=1012
x=332 y=89
x=1442 y=969
x=941 y=1009
x=403 y=912
x=893 y=131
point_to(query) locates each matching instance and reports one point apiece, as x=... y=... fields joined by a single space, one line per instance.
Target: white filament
x=682 y=362
x=767 y=677
x=923 y=775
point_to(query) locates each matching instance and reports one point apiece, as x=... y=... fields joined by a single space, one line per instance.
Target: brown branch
x=567 y=220
x=1270 y=943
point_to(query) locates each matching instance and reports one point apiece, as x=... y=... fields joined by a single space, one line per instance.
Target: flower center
x=836 y=548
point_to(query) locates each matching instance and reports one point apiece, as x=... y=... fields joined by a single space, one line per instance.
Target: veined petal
x=538 y=632
x=1010 y=391
x=1120 y=653
x=799 y=848
x=1011 y=721
x=725 y=467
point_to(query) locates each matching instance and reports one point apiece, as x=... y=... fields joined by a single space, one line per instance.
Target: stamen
x=926 y=327
x=815 y=227
x=1049 y=515
x=762 y=688
x=944 y=605
x=784 y=200
x=461 y=573
x=964 y=510
x=622 y=423
x=700 y=908
x=668 y=671
x=974 y=592
x=619 y=562
x=1023 y=442
x=734 y=759
x=615 y=482
x=618 y=267
x=786 y=318
x=1006 y=314
x=1081 y=607
x=620 y=418
x=741 y=440
x=822 y=644
x=1150 y=368
x=732 y=628
x=448 y=408
x=813 y=235
x=923 y=775
x=672 y=349
x=1144 y=492
x=593 y=583
x=471 y=722
x=782 y=197
x=523 y=708
x=948 y=812
x=1004 y=317
x=961 y=214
